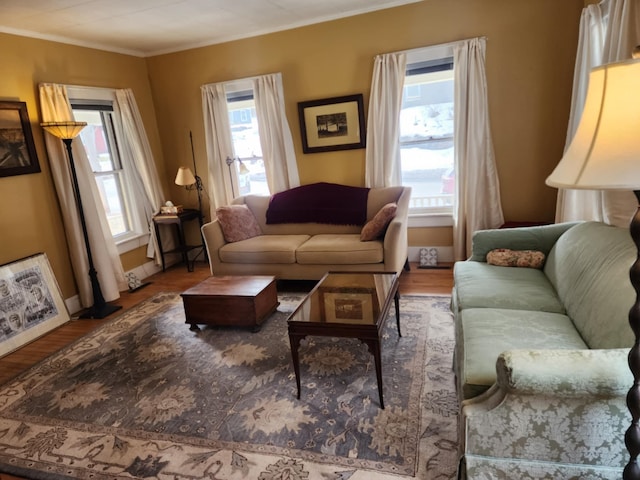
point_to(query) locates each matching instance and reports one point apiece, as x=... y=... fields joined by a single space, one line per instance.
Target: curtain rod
x=244 y=79
x=439 y=45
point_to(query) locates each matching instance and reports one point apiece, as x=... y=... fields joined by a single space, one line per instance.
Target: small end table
x=179 y=219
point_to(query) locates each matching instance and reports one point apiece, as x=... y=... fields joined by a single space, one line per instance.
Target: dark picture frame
x=17 y=150
x=332 y=124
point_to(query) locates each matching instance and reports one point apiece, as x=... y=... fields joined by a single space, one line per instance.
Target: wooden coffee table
x=351 y=305
x=231 y=300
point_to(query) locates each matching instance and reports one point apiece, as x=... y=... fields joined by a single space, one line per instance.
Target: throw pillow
x=516 y=258
x=377 y=226
x=237 y=222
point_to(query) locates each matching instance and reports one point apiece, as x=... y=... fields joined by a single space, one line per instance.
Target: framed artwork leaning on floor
x=30 y=302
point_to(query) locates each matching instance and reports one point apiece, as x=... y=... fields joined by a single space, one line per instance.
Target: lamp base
x=98 y=312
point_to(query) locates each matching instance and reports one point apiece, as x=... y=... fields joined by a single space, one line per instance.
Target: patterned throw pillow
x=377 y=226
x=237 y=222
x=504 y=257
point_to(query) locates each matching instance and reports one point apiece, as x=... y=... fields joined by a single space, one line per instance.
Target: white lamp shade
x=605 y=151
x=185 y=177
x=64 y=130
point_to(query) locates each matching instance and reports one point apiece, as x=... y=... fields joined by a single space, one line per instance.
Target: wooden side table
x=178 y=220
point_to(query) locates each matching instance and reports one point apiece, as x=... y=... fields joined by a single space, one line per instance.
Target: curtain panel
x=55 y=106
x=608 y=33
x=477 y=203
x=383 y=166
x=144 y=175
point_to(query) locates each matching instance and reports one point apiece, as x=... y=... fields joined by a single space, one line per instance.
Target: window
x=426 y=134
x=250 y=175
x=111 y=171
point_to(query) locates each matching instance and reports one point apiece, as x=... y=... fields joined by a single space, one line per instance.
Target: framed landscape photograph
x=30 y=302
x=332 y=124
x=17 y=150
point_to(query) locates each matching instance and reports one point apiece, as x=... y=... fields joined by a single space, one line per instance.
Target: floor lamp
x=605 y=155
x=67 y=131
x=243 y=171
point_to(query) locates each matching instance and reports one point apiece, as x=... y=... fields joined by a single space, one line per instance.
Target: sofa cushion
x=263 y=249
x=480 y=285
x=376 y=227
x=237 y=222
x=345 y=249
x=589 y=266
x=487 y=332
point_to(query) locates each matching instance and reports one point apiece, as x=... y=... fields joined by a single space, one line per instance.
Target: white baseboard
x=445 y=254
x=141 y=272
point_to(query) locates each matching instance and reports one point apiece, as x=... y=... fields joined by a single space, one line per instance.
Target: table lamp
x=186 y=178
x=605 y=155
x=67 y=131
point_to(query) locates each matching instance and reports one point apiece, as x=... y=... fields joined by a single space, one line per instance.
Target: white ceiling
x=152 y=27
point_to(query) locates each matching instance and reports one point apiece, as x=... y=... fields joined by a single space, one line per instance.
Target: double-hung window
x=426 y=131
x=111 y=170
x=250 y=174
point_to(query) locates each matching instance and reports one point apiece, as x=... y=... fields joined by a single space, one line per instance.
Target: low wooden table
x=231 y=300
x=351 y=305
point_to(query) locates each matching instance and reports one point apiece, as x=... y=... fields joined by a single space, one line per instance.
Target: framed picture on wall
x=332 y=124
x=17 y=150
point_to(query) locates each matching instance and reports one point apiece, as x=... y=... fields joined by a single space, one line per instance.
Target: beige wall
x=530 y=55
x=30 y=220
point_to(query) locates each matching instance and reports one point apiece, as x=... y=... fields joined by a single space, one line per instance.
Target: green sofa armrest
x=550 y=414
x=541 y=238
x=565 y=372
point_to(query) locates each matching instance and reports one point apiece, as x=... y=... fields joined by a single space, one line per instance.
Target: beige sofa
x=306 y=251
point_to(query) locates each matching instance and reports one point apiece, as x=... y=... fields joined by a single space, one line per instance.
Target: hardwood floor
x=177 y=279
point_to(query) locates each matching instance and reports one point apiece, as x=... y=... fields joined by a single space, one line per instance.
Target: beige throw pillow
x=377 y=226
x=237 y=222
x=504 y=257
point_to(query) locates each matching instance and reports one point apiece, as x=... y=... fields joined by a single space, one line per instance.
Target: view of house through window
x=246 y=144
x=426 y=136
x=98 y=139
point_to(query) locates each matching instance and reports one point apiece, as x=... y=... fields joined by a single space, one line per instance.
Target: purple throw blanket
x=320 y=203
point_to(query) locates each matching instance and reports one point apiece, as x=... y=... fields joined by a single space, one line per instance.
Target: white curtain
x=218 y=143
x=477 y=202
x=608 y=33
x=383 y=163
x=55 y=106
x=149 y=192
x=275 y=136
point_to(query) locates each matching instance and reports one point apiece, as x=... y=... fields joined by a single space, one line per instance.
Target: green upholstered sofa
x=306 y=251
x=541 y=354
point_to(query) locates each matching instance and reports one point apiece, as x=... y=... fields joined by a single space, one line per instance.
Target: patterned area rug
x=145 y=397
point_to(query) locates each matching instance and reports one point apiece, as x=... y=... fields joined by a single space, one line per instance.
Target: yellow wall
x=30 y=220
x=530 y=56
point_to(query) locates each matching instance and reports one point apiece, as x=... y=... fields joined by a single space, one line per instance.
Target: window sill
x=430 y=220
x=132 y=242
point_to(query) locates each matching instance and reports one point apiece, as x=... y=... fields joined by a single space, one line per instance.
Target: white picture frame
x=31 y=303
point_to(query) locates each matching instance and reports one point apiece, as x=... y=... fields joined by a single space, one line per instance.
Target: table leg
x=159 y=244
x=295 y=340
x=374 y=347
x=183 y=246
x=396 y=299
